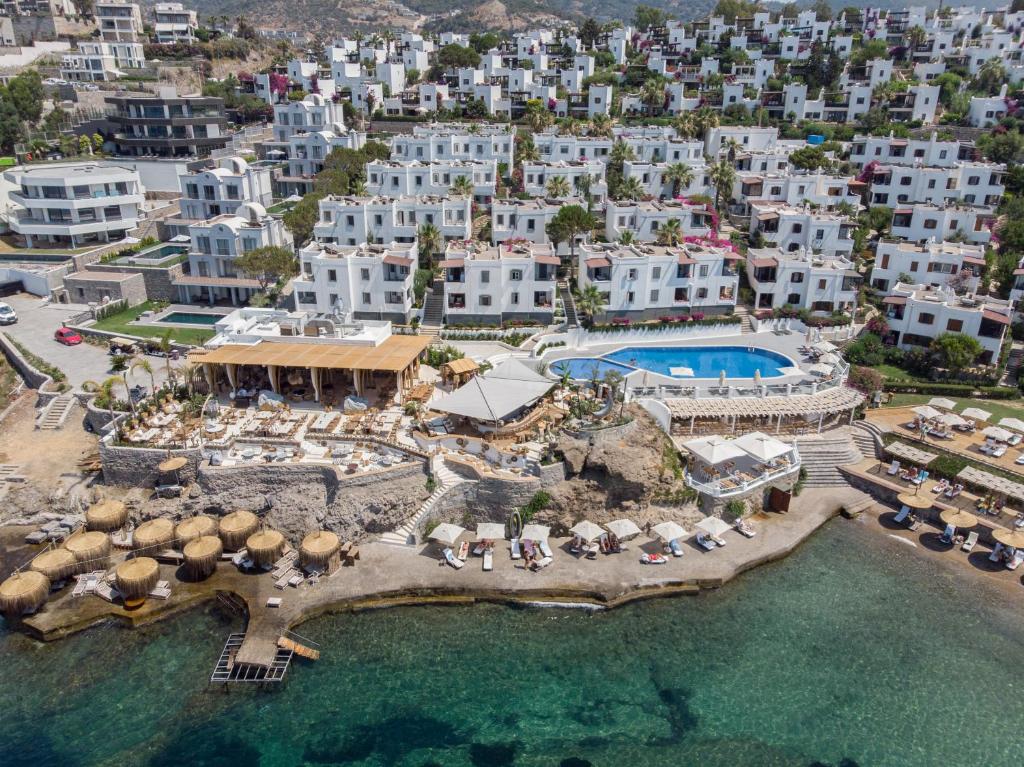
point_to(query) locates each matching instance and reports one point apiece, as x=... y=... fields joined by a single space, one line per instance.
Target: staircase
x=746 y=326
x=568 y=304
x=1013 y=365
x=479 y=224
x=446 y=479
x=433 y=310
x=56 y=413
x=821 y=458
x=868 y=438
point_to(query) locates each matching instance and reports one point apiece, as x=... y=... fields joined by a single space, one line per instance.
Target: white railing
x=716 y=489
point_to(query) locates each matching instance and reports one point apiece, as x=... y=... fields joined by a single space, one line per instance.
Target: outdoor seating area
x=722 y=467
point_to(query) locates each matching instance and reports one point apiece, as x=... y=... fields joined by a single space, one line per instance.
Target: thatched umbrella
x=23 y=592
x=106 y=516
x=56 y=564
x=201 y=555
x=91 y=549
x=236 y=527
x=135 y=578
x=265 y=547
x=153 y=535
x=194 y=527
x=320 y=549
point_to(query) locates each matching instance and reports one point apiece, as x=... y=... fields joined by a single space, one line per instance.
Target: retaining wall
x=34 y=379
x=137 y=466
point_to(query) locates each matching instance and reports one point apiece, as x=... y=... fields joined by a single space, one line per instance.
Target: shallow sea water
x=853 y=651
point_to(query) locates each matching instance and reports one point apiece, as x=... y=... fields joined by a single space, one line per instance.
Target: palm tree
x=359 y=187
x=537 y=117
x=189 y=371
x=704 y=119
x=684 y=125
x=143 y=365
x=557 y=187
x=916 y=36
x=527 y=151
x=590 y=301
x=681 y=176
x=630 y=189
x=671 y=233
x=652 y=94
x=463 y=186
x=729 y=148
x=722 y=177
x=105 y=391
x=430 y=242
x=627 y=237
x=621 y=153
x=601 y=126
x=166 y=347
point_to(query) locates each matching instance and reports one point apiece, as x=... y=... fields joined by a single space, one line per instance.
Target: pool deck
x=387 y=576
x=158 y=318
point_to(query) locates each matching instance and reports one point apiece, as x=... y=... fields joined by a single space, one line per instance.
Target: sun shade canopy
x=393 y=355
x=505 y=390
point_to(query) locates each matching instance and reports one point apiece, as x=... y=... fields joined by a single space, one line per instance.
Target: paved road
x=34 y=330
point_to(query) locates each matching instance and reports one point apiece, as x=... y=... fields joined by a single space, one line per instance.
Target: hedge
x=723 y=319
x=952 y=390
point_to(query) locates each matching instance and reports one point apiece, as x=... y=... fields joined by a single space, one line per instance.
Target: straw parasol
x=265 y=547
x=201 y=555
x=236 y=527
x=55 y=564
x=194 y=527
x=177 y=463
x=915 y=501
x=23 y=592
x=154 y=534
x=90 y=549
x=320 y=549
x=106 y=516
x=958 y=518
x=135 y=578
x=1012 y=538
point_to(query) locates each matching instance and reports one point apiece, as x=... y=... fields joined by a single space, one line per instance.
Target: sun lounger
x=969 y=544
x=745 y=529
x=514 y=549
x=1016 y=560
x=947 y=535
x=920 y=478
x=999 y=452
x=295 y=580
x=542 y=563
x=676 y=546
x=464 y=551
x=451 y=559
x=479 y=549
x=160 y=593
x=705 y=542
x=488 y=560
x=902 y=516
x=35 y=537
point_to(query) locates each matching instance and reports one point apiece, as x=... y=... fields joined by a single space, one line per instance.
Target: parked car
x=68 y=337
x=7 y=315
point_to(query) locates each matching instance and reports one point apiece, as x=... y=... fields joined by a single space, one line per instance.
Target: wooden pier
x=230 y=669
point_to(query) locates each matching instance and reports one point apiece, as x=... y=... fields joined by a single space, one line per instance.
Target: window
x=630 y=297
x=515 y=275
x=655 y=272
x=973 y=180
x=702 y=293
x=654 y=296
x=514 y=299
x=796 y=277
x=822 y=284
x=798 y=228
x=364 y=274
x=955 y=326
x=794 y=299
x=930 y=223
x=485 y=277
x=913 y=266
x=926 y=319
x=905 y=181
x=366 y=298
x=631 y=275
x=485 y=300
x=332 y=275
x=703 y=270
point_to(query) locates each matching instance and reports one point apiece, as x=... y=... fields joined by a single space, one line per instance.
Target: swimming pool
x=192 y=318
x=704 y=361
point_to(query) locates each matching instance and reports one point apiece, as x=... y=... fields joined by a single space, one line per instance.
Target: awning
x=623 y=529
x=895 y=300
x=685 y=259
x=1002 y=319
x=394 y=354
x=587 y=530
x=447 y=533
x=494 y=397
x=596 y=263
x=761 y=446
x=903 y=211
x=769 y=216
x=452 y=263
x=926 y=411
x=763 y=263
x=977 y=261
x=535 y=532
x=397 y=260
x=714 y=526
x=552 y=260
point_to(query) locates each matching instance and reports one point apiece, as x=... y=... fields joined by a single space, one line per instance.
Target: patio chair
x=969 y=544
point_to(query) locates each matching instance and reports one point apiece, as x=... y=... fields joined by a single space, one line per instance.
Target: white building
x=307 y=153
x=650 y=281
x=455 y=143
x=214 y=191
x=935 y=264
x=793 y=188
x=655 y=179
x=118 y=21
x=71 y=205
x=515 y=219
x=396 y=179
x=174 y=23
x=364 y=282
x=314 y=113
x=801 y=280
x=922 y=222
x=581 y=177
x=975 y=183
x=644 y=220
x=356 y=220
x=889 y=150
x=795 y=229
x=99 y=61
x=490 y=284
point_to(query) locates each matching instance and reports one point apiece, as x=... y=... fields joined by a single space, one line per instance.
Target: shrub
x=951 y=389
x=866 y=379
x=538 y=502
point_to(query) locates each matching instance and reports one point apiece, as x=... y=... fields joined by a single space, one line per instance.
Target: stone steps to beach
x=56 y=413
x=821 y=458
x=445 y=480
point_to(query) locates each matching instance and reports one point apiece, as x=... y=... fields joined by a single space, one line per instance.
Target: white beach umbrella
x=713 y=450
x=713 y=525
x=721 y=378
x=668 y=531
x=1012 y=423
x=623 y=529
x=942 y=403
x=927 y=412
x=757 y=376
x=490 y=531
x=976 y=413
x=447 y=533
x=997 y=433
x=587 y=530
x=761 y=446
x=536 y=533
x=950 y=419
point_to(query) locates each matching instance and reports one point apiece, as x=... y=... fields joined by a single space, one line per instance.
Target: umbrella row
x=448 y=534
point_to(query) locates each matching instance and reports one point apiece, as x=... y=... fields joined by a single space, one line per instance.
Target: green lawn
x=893 y=373
x=119 y=323
x=998 y=409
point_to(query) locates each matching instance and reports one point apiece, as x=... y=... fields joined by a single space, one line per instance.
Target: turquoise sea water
x=854 y=651
x=705 y=361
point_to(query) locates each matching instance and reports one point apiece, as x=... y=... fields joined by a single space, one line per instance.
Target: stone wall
x=121 y=285
x=489 y=499
x=552 y=474
x=159 y=282
x=136 y=466
x=34 y=379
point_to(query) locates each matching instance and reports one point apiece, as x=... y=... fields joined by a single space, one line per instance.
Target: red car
x=67 y=336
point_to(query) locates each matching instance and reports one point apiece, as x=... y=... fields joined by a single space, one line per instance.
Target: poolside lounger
x=160 y=593
x=1016 y=560
x=464 y=551
x=969 y=544
x=902 y=516
x=705 y=542
x=488 y=560
x=894 y=468
x=514 y=548
x=451 y=559
x=545 y=549
x=947 y=535
x=920 y=478
x=996 y=552
x=295 y=580
x=479 y=549
x=542 y=563
x=677 y=547
x=274 y=602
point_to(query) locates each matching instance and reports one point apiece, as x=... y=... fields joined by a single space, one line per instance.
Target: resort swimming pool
x=703 y=361
x=192 y=318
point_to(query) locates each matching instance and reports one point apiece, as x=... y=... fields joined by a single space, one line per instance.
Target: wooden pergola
x=397 y=355
x=458 y=372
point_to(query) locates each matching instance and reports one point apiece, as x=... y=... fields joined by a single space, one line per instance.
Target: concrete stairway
x=746 y=326
x=56 y=413
x=433 y=307
x=821 y=457
x=479 y=224
x=868 y=439
x=1013 y=364
x=445 y=480
x=568 y=304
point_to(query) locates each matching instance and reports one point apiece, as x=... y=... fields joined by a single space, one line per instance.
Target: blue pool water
x=193 y=318
x=705 y=361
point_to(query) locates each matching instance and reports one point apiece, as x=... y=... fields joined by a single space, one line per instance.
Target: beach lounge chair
x=451 y=559
x=544 y=562
x=676 y=546
x=514 y=549
x=920 y=478
x=705 y=542
x=745 y=529
x=1015 y=561
x=488 y=560
x=902 y=516
x=545 y=549
x=999 y=452
x=464 y=551
x=947 y=535
x=971 y=541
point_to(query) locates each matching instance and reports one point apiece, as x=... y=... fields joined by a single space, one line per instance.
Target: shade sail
x=536 y=533
x=761 y=446
x=951 y=419
x=976 y=413
x=942 y=403
x=623 y=529
x=514 y=370
x=998 y=433
x=1012 y=423
x=714 y=450
x=447 y=533
x=668 y=531
x=713 y=525
x=495 y=397
x=926 y=411
x=490 y=531
x=587 y=530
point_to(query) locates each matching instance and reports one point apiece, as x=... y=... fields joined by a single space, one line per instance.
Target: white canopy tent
x=587 y=530
x=762 y=447
x=501 y=393
x=1012 y=423
x=997 y=433
x=714 y=450
x=942 y=403
x=927 y=412
x=950 y=419
x=976 y=413
x=668 y=531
